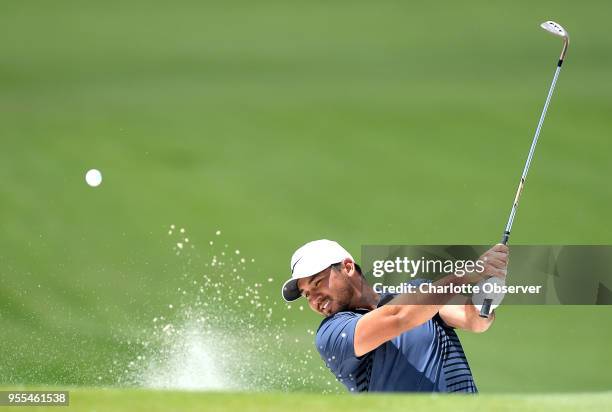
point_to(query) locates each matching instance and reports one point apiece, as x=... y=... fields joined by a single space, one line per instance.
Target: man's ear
x=349 y=266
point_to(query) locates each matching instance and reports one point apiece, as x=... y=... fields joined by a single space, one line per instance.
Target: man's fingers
x=497 y=263
x=500 y=273
x=503 y=257
x=500 y=248
x=496 y=255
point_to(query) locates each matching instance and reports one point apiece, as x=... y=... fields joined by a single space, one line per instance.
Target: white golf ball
x=93 y=177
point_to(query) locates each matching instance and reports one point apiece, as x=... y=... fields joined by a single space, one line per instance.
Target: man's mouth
x=325 y=305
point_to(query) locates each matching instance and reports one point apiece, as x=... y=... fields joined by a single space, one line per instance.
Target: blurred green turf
x=278 y=123
x=143 y=400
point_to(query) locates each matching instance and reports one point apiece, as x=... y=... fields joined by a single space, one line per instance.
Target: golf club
x=557 y=30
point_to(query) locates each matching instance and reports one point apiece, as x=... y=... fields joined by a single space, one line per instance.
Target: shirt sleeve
x=335 y=343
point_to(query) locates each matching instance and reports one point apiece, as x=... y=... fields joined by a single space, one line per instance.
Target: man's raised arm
x=408 y=311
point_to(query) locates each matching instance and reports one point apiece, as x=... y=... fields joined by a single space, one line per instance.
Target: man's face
x=327 y=292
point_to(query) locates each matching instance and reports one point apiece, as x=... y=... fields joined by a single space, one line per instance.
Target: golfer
x=386 y=343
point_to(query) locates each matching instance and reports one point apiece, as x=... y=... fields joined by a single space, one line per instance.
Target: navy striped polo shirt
x=427 y=358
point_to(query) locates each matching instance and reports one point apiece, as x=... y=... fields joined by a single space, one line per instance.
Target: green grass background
x=280 y=122
x=144 y=400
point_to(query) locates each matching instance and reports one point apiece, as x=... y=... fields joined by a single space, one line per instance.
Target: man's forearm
x=416 y=308
x=461 y=313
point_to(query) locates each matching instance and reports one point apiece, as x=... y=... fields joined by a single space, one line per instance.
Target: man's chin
x=330 y=310
x=333 y=309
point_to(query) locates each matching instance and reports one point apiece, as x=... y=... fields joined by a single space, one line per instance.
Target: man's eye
x=317 y=282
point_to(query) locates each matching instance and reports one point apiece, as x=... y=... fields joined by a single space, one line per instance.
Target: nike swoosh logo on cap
x=296 y=262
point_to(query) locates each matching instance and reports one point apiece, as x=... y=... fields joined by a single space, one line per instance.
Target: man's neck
x=368 y=299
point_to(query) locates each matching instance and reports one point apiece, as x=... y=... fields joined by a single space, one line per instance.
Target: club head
x=554 y=28
x=558 y=30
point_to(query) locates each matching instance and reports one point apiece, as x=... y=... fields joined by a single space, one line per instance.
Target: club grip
x=505 y=238
x=485 y=309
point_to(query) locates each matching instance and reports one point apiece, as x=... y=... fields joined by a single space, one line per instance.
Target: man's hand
x=461 y=313
x=495 y=261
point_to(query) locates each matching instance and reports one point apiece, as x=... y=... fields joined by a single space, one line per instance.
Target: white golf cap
x=311 y=259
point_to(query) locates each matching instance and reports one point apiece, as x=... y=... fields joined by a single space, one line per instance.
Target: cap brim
x=290 y=290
